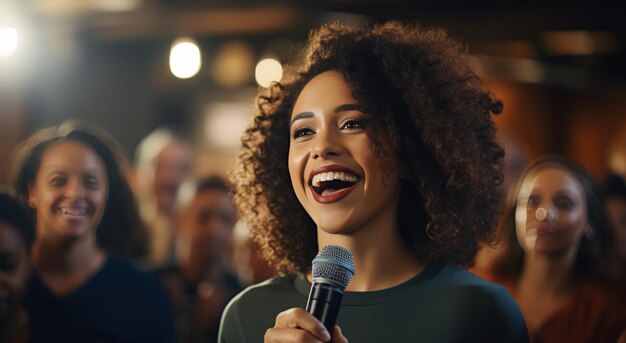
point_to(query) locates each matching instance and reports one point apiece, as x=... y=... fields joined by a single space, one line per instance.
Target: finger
x=276 y=335
x=338 y=336
x=299 y=318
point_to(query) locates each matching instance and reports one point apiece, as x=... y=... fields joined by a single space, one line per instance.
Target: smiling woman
x=71 y=178
x=361 y=147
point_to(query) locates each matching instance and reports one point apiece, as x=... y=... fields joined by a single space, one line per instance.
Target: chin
x=335 y=227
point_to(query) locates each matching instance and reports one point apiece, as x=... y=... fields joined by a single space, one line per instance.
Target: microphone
x=333 y=268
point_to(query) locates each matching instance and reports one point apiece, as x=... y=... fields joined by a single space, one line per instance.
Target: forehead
x=175 y=149
x=71 y=153
x=553 y=178
x=211 y=197
x=326 y=89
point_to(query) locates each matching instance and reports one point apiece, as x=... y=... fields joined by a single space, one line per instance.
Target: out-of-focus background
x=558 y=66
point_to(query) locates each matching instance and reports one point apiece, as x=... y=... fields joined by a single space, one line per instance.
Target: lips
x=332 y=183
x=544 y=231
x=73 y=211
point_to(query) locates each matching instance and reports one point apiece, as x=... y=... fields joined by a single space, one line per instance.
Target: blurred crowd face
x=208 y=221
x=14 y=271
x=616 y=210
x=551 y=213
x=172 y=166
x=70 y=192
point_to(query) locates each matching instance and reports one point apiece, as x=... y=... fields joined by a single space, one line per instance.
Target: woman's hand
x=297 y=325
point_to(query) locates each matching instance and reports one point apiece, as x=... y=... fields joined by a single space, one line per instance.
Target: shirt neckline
x=415 y=283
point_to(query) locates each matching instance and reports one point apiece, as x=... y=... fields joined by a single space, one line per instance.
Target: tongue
x=329 y=191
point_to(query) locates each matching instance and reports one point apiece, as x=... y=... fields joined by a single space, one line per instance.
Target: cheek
x=521 y=217
x=297 y=163
x=574 y=221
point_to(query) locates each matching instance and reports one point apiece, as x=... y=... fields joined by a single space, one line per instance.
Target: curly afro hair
x=416 y=88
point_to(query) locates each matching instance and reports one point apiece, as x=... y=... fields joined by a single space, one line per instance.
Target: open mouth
x=73 y=211
x=326 y=184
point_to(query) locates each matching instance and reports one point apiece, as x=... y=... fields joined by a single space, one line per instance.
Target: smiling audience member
x=72 y=180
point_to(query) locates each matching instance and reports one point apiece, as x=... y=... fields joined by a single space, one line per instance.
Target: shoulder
x=457 y=278
x=485 y=304
x=249 y=314
x=596 y=298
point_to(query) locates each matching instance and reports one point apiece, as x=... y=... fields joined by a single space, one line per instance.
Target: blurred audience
x=249 y=265
x=16 y=237
x=515 y=160
x=614 y=199
x=163 y=162
x=71 y=178
x=557 y=256
x=616 y=154
x=203 y=283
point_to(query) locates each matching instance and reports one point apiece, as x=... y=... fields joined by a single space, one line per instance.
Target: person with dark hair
x=557 y=254
x=205 y=282
x=381 y=143
x=16 y=237
x=71 y=177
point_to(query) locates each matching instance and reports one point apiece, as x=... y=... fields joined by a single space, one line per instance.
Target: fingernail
x=325 y=335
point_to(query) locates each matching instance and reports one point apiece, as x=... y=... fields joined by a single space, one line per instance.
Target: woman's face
x=70 y=191
x=14 y=271
x=551 y=213
x=337 y=177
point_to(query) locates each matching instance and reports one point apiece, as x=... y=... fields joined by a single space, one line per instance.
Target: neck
x=373 y=246
x=196 y=272
x=66 y=257
x=546 y=274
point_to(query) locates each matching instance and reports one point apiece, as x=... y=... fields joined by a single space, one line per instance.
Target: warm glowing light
x=185 y=58
x=580 y=42
x=267 y=71
x=233 y=64
x=8 y=41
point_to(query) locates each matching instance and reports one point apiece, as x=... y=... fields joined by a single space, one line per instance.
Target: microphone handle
x=323 y=303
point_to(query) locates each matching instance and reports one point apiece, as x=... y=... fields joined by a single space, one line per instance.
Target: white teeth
x=329 y=176
x=73 y=211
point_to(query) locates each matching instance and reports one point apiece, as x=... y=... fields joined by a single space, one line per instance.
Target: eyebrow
x=56 y=170
x=340 y=108
x=303 y=115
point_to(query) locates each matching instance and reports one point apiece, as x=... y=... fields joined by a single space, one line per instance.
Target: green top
x=440 y=304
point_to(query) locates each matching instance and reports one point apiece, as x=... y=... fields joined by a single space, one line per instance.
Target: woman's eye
x=57 y=181
x=564 y=203
x=533 y=201
x=91 y=182
x=352 y=124
x=302 y=132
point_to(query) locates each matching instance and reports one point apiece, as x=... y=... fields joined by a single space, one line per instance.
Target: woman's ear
x=31 y=196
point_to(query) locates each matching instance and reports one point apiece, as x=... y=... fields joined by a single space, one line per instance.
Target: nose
x=75 y=189
x=326 y=145
x=548 y=214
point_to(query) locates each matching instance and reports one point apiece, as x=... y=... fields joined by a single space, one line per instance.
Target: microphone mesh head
x=334 y=263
